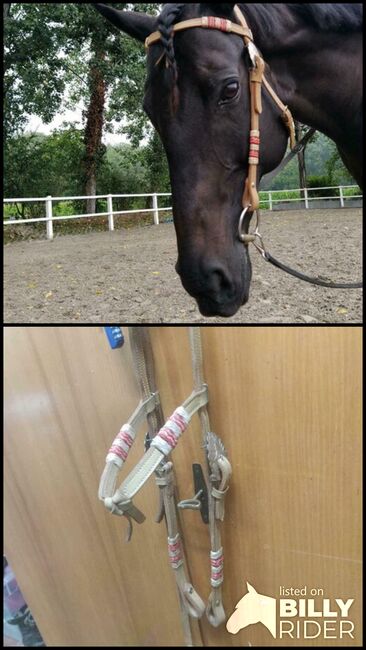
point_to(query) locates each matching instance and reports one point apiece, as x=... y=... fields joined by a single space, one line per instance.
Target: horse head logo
x=253 y=608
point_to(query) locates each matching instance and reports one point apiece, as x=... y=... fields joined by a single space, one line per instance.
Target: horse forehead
x=208 y=47
x=215 y=61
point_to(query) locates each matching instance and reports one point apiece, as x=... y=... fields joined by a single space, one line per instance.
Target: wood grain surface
x=286 y=401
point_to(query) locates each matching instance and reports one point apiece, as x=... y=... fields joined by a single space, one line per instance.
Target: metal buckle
x=254 y=238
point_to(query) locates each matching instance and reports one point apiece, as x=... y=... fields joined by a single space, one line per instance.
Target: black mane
x=322 y=17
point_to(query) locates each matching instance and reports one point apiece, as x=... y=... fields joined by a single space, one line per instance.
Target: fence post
x=270 y=200
x=341 y=196
x=110 y=212
x=306 y=198
x=155 y=208
x=49 y=224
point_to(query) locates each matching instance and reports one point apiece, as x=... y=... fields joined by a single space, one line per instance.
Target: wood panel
x=286 y=402
x=66 y=395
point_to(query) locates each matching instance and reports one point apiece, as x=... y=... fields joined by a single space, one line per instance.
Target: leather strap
x=307 y=278
x=219 y=472
x=286 y=113
x=207 y=22
x=250 y=198
x=122 y=498
x=193 y=603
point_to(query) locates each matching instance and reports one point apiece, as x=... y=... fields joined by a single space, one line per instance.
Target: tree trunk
x=94 y=127
x=6 y=11
x=90 y=190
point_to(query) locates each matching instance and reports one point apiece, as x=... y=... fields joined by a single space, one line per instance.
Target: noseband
x=250 y=198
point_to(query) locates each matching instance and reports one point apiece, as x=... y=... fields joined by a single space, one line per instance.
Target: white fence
x=305 y=195
x=270 y=201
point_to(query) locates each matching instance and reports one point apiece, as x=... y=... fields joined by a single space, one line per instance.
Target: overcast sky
x=35 y=124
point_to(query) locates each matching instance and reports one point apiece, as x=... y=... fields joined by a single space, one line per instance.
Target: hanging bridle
x=160 y=441
x=250 y=198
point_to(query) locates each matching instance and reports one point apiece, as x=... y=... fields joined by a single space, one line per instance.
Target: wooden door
x=287 y=404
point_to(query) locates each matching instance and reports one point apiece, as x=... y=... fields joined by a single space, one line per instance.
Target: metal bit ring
x=244 y=237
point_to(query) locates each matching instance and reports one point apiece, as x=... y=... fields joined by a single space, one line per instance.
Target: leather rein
x=250 y=198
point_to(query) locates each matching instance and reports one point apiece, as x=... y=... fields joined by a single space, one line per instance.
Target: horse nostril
x=219 y=281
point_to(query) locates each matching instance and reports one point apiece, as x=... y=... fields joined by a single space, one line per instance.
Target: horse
x=197 y=98
x=253 y=608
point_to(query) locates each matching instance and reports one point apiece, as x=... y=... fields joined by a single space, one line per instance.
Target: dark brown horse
x=196 y=96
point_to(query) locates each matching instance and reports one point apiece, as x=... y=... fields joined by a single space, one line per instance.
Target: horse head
x=197 y=97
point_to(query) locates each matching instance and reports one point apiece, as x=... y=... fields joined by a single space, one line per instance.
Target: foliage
x=321 y=155
x=157 y=165
x=51 y=50
x=321 y=182
x=39 y=165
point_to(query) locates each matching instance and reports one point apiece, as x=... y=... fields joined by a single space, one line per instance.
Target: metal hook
x=200 y=499
x=191 y=504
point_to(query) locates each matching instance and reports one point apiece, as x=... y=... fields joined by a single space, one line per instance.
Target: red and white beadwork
x=121 y=445
x=175 y=551
x=213 y=22
x=217 y=567
x=173 y=428
x=254 y=141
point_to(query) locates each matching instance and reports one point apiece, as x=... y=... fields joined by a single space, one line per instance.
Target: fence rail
x=270 y=201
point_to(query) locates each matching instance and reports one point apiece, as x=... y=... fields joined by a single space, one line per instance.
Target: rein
x=161 y=439
x=250 y=198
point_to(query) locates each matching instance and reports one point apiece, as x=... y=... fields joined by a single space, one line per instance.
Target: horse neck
x=311 y=74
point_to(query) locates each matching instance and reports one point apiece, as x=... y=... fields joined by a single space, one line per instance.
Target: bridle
x=163 y=435
x=250 y=197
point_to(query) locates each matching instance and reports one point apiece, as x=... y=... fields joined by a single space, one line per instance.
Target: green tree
x=38 y=165
x=54 y=48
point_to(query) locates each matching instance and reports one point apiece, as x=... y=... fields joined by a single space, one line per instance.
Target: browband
x=208 y=22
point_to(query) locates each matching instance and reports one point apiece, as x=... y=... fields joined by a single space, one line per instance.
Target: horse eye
x=230 y=91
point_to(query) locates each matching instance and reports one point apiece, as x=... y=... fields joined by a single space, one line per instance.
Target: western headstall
x=161 y=439
x=250 y=198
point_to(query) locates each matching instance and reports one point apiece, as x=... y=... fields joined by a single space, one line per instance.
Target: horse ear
x=135 y=24
x=251 y=589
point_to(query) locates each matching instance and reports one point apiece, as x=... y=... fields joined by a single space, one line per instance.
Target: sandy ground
x=129 y=276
